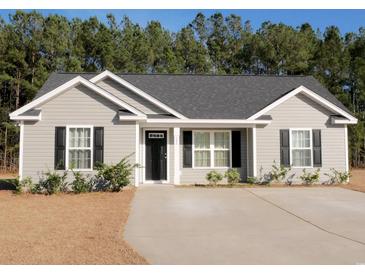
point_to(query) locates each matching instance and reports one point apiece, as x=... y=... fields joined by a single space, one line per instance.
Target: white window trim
x=291 y=147
x=212 y=149
x=91 y=146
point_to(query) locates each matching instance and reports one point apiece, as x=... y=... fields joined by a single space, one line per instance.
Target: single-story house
x=179 y=127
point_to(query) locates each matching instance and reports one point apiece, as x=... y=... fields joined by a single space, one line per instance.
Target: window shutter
x=284 y=147
x=60 y=148
x=98 y=145
x=317 y=148
x=187 y=149
x=236 y=148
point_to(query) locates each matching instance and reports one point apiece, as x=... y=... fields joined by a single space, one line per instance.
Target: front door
x=156 y=155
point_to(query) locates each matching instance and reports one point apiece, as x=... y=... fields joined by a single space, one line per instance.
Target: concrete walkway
x=170 y=225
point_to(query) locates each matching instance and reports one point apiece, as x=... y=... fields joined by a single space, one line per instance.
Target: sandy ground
x=8 y=175
x=65 y=229
x=357 y=180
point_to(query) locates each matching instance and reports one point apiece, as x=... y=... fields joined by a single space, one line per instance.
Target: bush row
x=278 y=174
x=107 y=178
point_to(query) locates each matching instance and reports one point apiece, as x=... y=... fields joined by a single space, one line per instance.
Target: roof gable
x=129 y=97
x=310 y=94
x=120 y=80
x=66 y=86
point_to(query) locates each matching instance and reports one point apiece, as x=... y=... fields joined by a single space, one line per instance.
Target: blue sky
x=346 y=20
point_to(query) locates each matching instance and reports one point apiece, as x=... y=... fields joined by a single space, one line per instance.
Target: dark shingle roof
x=123 y=112
x=32 y=112
x=211 y=96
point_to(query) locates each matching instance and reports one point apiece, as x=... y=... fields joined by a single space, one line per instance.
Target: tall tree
x=191 y=55
x=133 y=47
x=332 y=61
x=217 y=43
x=235 y=40
x=161 y=57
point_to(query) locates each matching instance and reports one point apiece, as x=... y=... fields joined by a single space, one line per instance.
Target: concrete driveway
x=171 y=225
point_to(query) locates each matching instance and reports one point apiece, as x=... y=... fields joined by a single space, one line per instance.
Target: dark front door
x=156 y=155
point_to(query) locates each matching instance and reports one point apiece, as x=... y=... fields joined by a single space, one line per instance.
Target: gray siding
x=129 y=97
x=301 y=112
x=191 y=175
x=77 y=106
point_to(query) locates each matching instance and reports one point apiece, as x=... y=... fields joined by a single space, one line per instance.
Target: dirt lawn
x=8 y=175
x=65 y=229
x=357 y=180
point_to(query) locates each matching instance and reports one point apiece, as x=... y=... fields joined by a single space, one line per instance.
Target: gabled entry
x=156 y=155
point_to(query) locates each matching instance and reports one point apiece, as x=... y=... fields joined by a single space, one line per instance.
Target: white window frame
x=310 y=148
x=212 y=149
x=68 y=127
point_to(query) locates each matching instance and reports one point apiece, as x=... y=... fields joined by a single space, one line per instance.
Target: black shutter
x=98 y=145
x=284 y=147
x=60 y=148
x=187 y=148
x=236 y=148
x=317 y=148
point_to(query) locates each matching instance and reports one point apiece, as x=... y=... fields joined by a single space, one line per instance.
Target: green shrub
x=54 y=182
x=309 y=178
x=233 y=176
x=36 y=189
x=338 y=177
x=252 y=180
x=33 y=188
x=214 y=177
x=114 y=177
x=18 y=187
x=278 y=173
x=21 y=186
x=27 y=184
x=81 y=183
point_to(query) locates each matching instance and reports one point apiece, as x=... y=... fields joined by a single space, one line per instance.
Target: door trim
x=144 y=181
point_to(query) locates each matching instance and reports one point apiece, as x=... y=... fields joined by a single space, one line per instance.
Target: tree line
x=32 y=46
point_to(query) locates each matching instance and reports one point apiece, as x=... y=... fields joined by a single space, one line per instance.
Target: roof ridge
x=191 y=74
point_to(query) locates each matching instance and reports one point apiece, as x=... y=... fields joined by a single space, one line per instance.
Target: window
x=202 y=149
x=156 y=135
x=301 y=148
x=79 y=149
x=221 y=149
x=211 y=149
